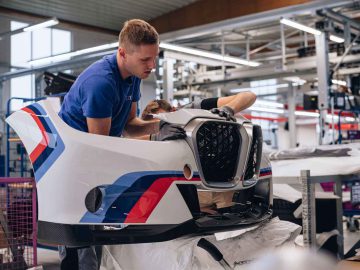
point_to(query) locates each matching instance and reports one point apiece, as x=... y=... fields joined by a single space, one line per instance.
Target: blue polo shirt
x=101 y=92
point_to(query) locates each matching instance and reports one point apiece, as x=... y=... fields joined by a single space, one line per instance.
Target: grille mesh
x=254 y=161
x=218 y=145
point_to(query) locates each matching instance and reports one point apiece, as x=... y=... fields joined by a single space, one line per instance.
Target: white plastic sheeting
x=183 y=253
x=294 y=259
x=321 y=160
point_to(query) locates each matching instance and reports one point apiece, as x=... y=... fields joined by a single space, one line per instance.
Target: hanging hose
x=214 y=252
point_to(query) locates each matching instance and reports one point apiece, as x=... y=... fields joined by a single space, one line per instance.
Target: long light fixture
x=211 y=55
x=282 y=111
x=270 y=104
x=271 y=86
x=308 y=29
x=65 y=56
x=310 y=114
x=339 y=82
x=172 y=47
x=48 y=23
x=336 y=39
x=300 y=113
x=300 y=26
x=268 y=110
x=295 y=80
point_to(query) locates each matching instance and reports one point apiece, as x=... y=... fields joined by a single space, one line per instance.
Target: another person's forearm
x=238 y=102
x=137 y=127
x=143 y=137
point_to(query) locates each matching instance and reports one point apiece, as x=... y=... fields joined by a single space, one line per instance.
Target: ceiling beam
x=211 y=16
x=208 y=11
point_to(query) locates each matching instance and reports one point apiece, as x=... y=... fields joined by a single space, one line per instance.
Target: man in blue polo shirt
x=103 y=100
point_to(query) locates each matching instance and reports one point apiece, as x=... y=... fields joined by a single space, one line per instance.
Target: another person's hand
x=168 y=132
x=225 y=112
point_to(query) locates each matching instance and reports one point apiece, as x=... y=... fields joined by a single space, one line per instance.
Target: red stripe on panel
x=45 y=138
x=150 y=199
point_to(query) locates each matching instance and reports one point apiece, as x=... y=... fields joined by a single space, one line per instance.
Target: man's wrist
x=229 y=109
x=152 y=137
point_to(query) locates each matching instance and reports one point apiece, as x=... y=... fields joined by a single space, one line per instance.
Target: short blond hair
x=136 y=32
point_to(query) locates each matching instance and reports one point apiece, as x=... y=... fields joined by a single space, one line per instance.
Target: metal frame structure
x=322 y=60
x=19 y=222
x=309 y=219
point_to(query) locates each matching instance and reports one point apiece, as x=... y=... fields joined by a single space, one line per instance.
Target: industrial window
x=267 y=88
x=29 y=46
x=20 y=55
x=20 y=46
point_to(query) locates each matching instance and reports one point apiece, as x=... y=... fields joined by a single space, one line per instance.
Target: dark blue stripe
x=118 y=210
x=265 y=170
x=42 y=158
x=41 y=116
x=55 y=147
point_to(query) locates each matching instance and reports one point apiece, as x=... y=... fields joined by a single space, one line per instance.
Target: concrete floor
x=48 y=259
x=350 y=238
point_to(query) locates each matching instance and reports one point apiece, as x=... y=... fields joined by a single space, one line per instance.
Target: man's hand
x=168 y=132
x=225 y=112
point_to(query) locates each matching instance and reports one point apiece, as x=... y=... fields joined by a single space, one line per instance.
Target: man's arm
x=138 y=128
x=238 y=102
x=97 y=98
x=99 y=126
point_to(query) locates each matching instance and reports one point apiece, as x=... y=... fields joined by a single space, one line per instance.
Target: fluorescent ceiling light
x=339 y=82
x=269 y=104
x=48 y=23
x=260 y=87
x=336 y=118
x=309 y=29
x=350 y=119
x=65 y=56
x=303 y=113
x=269 y=110
x=211 y=55
x=296 y=80
x=336 y=39
x=300 y=26
x=300 y=113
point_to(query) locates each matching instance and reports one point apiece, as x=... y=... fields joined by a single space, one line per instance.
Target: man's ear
x=122 y=52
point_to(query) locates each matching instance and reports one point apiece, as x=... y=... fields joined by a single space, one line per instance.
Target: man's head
x=156 y=106
x=138 y=48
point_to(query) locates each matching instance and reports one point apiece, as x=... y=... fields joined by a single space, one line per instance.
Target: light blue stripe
x=55 y=139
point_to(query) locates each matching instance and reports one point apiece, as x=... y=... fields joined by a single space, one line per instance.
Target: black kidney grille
x=253 y=165
x=218 y=145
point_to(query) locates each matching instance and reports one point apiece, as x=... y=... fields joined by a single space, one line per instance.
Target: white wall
x=306 y=136
x=148 y=91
